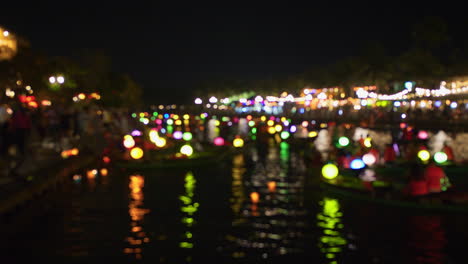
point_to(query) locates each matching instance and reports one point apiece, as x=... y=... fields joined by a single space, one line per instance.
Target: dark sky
x=172 y=47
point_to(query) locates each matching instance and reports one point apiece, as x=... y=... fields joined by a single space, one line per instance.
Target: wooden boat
x=170 y=158
x=389 y=194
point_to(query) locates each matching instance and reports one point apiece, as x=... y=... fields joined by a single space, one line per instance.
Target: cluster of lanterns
x=439 y=157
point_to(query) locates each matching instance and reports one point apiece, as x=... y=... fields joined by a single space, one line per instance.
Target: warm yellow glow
x=238 y=142
x=81 y=96
x=104 y=172
x=272 y=186
x=74 y=151
x=271 y=123
x=160 y=142
x=128 y=142
x=186 y=117
x=263 y=118
x=271 y=130
x=178 y=122
x=330 y=171
x=136 y=153
x=254 y=197
x=153 y=135
x=278 y=128
x=186 y=150
x=312 y=134
x=367 y=142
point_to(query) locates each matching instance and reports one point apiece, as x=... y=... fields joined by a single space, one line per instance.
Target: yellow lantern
x=136 y=153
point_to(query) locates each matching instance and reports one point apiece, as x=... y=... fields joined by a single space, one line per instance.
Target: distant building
x=8 y=45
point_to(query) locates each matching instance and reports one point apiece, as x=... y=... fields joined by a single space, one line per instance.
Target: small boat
x=387 y=193
x=174 y=159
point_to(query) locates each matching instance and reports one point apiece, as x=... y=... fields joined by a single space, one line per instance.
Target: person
x=4 y=117
x=417 y=183
x=20 y=126
x=449 y=152
x=389 y=154
x=436 y=179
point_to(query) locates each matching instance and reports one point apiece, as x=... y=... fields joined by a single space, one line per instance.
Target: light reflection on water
x=137 y=237
x=282 y=223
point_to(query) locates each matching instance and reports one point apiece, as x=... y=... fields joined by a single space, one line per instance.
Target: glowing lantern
x=186 y=150
x=153 y=135
x=271 y=186
x=329 y=171
x=104 y=172
x=423 y=135
x=77 y=177
x=238 y=142
x=270 y=122
x=187 y=136
x=128 y=142
x=367 y=142
x=218 y=141
x=312 y=134
x=106 y=159
x=285 y=135
x=177 y=135
x=271 y=130
x=91 y=174
x=160 y=142
x=357 y=164
x=424 y=155
x=136 y=153
x=254 y=197
x=343 y=141
x=278 y=128
x=136 y=133
x=440 y=157
x=369 y=159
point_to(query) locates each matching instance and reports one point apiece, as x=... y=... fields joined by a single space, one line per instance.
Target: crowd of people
x=26 y=131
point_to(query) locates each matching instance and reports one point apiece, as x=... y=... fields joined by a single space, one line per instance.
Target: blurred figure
x=417 y=183
x=4 y=118
x=436 y=179
x=20 y=127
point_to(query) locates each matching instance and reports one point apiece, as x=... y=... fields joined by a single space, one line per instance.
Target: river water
x=203 y=214
x=258 y=206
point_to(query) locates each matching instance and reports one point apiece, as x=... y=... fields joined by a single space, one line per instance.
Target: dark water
x=206 y=214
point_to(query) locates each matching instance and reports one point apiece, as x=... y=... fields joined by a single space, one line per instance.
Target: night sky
x=177 y=46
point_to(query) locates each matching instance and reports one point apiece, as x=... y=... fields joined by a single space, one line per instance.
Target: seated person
x=417 y=183
x=436 y=179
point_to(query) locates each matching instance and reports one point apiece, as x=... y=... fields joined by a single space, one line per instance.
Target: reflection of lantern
x=272 y=186
x=254 y=197
x=136 y=153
